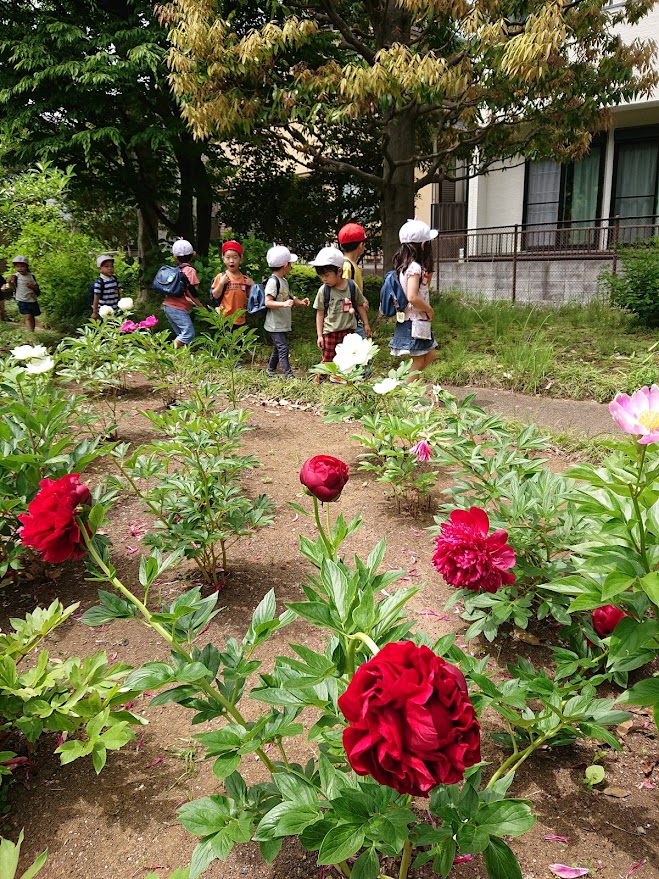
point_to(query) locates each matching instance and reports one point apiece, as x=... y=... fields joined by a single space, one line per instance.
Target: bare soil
x=122 y=823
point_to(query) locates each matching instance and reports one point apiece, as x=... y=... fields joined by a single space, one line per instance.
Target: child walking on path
x=414 y=264
x=106 y=286
x=335 y=314
x=177 y=308
x=230 y=289
x=352 y=241
x=279 y=302
x=24 y=286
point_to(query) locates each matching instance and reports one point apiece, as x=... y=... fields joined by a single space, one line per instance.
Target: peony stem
x=352 y=647
x=637 y=509
x=215 y=695
x=513 y=762
x=321 y=531
x=406 y=860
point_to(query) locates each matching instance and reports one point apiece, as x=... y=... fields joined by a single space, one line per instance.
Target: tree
x=437 y=83
x=85 y=83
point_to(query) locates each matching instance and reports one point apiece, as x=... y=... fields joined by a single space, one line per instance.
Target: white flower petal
x=105 y=311
x=27 y=352
x=385 y=386
x=36 y=367
x=125 y=304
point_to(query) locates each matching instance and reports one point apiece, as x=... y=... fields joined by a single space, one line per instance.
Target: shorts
x=330 y=341
x=29 y=308
x=403 y=345
x=181 y=322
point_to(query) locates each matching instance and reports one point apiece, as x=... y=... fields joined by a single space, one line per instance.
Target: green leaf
x=341 y=843
x=644 y=693
x=443 y=863
x=367 y=866
x=594 y=775
x=500 y=862
x=472 y=840
x=204 y=816
x=293 y=822
x=505 y=818
x=95 y=518
x=270 y=848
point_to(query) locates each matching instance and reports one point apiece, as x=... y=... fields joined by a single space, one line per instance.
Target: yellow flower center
x=650 y=419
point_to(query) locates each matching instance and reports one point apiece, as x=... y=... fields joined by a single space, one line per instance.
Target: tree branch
x=347 y=33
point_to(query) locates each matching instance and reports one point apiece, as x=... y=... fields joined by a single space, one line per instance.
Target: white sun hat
x=20 y=258
x=104 y=257
x=182 y=248
x=278 y=256
x=416 y=232
x=329 y=256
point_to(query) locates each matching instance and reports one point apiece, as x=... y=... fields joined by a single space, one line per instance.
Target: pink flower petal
x=462 y=859
x=568 y=872
x=642 y=863
x=155 y=762
x=552 y=837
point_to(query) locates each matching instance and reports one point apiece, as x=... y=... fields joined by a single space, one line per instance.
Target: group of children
x=340 y=305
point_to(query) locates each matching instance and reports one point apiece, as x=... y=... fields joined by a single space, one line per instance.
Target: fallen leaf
x=552 y=837
x=623 y=728
x=618 y=792
x=526 y=637
x=568 y=872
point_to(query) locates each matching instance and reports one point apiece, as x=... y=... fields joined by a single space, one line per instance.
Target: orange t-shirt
x=234 y=298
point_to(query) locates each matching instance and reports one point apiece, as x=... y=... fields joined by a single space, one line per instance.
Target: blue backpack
x=392 y=295
x=170 y=281
x=256 y=298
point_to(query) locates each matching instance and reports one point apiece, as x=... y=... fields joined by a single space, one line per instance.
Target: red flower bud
x=324 y=476
x=50 y=522
x=412 y=725
x=606 y=618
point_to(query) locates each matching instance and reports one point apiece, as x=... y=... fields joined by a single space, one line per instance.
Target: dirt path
x=581 y=417
x=122 y=823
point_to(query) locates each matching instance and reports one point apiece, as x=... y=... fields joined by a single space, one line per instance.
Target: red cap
x=232 y=245
x=351 y=233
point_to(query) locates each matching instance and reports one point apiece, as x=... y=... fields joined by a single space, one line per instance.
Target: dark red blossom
x=467 y=558
x=606 y=618
x=324 y=476
x=411 y=724
x=50 y=522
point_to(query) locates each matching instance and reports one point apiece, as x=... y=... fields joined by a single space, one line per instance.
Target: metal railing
x=515 y=257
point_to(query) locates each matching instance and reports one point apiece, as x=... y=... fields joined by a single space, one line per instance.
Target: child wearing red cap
x=230 y=289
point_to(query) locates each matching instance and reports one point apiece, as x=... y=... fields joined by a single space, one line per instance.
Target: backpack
x=170 y=281
x=256 y=298
x=327 y=292
x=392 y=295
x=91 y=290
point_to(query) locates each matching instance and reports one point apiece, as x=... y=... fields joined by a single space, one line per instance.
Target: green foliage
x=191 y=482
x=68 y=697
x=635 y=288
x=42 y=431
x=9 y=855
x=32 y=197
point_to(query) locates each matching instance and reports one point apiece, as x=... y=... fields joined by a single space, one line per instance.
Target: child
x=414 y=263
x=24 y=286
x=178 y=308
x=333 y=325
x=4 y=290
x=230 y=289
x=279 y=302
x=106 y=286
x=352 y=241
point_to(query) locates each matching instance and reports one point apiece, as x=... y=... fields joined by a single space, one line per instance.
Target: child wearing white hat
x=106 y=291
x=414 y=264
x=24 y=286
x=279 y=301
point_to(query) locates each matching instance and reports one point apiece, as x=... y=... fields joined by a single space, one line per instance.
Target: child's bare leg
x=29 y=322
x=418 y=365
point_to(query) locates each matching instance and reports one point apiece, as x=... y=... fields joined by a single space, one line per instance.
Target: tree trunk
x=184 y=223
x=397 y=203
x=204 y=207
x=147 y=234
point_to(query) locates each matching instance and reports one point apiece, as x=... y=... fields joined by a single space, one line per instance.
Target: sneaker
x=337 y=380
x=271 y=374
x=289 y=375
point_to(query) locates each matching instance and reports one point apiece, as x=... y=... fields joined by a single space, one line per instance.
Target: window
x=636 y=181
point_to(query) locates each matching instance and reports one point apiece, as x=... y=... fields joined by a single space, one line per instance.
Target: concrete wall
x=550 y=282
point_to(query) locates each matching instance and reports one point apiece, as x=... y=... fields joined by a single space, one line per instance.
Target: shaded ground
x=122 y=823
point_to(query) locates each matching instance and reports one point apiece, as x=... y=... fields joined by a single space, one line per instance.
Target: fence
x=544 y=263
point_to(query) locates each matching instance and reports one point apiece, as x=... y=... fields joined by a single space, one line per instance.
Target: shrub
x=637 y=288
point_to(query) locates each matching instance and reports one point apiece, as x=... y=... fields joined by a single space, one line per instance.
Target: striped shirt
x=108 y=290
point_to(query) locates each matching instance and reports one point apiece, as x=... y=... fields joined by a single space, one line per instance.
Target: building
x=544 y=231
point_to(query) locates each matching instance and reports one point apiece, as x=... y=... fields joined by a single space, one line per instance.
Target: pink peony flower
x=638 y=414
x=128 y=326
x=148 y=322
x=422 y=451
x=467 y=558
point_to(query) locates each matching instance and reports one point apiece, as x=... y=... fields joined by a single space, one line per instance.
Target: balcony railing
x=583 y=239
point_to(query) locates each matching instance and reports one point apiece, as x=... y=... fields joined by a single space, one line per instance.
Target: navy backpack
x=170 y=281
x=392 y=295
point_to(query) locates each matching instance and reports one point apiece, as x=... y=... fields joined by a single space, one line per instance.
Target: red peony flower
x=412 y=725
x=606 y=618
x=50 y=522
x=467 y=558
x=324 y=476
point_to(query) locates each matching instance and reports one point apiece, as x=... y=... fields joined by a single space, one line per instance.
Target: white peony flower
x=125 y=304
x=354 y=351
x=385 y=386
x=107 y=310
x=36 y=367
x=27 y=352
